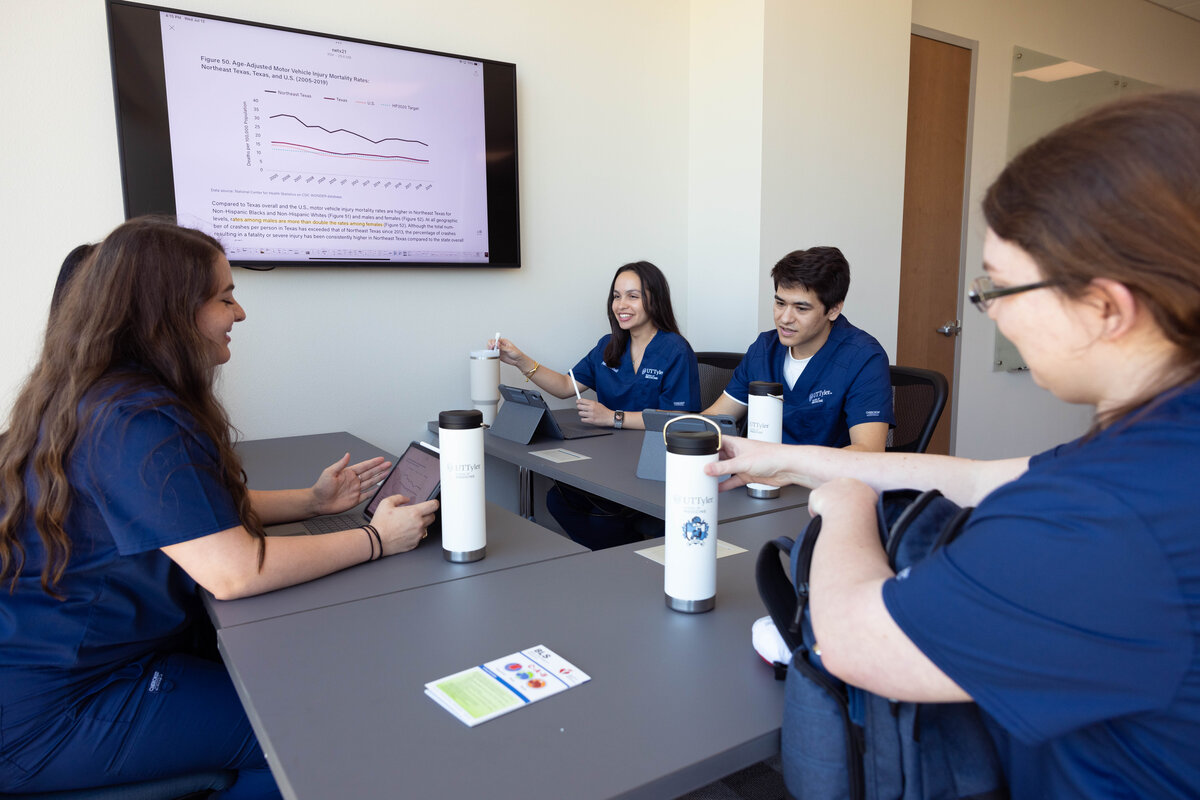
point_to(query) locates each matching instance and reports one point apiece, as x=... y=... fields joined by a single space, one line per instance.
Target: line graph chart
x=303 y=148
x=317 y=142
x=346 y=130
x=324 y=149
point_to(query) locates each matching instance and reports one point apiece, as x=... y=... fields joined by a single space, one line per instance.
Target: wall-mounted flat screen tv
x=296 y=148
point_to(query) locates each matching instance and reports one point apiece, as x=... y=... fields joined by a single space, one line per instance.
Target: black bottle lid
x=693 y=443
x=460 y=420
x=765 y=388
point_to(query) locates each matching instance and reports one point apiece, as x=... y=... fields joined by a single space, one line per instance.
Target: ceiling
x=1189 y=8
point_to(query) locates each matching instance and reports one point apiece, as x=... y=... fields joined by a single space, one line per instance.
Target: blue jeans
x=162 y=716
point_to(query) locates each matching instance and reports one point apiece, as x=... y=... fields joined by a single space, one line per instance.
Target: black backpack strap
x=786 y=598
x=953 y=527
x=776 y=590
x=801 y=568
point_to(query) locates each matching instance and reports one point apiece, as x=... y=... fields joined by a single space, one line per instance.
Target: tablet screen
x=417 y=475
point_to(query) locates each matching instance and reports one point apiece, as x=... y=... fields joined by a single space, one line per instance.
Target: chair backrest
x=918 y=397
x=716 y=369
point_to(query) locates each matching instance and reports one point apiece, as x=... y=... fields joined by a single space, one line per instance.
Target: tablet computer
x=652 y=462
x=416 y=475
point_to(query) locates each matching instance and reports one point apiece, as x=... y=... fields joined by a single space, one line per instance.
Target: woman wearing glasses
x=1069 y=608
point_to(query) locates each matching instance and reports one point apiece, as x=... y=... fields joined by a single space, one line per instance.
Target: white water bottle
x=690 y=572
x=464 y=529
x=485 y=383
x=764 y=424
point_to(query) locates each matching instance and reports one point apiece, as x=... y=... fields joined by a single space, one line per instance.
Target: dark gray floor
x=761 y=781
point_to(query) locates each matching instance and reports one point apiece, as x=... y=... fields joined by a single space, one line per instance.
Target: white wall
x=785 y=98
x=642 y=135
x=708 y=136
x=725 y=173
x=603 y=113
x=836 y=89
x=1005 y=414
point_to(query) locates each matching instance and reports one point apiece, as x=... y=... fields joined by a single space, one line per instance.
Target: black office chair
x=918 y=397
x=180 y=787
x=715 y=371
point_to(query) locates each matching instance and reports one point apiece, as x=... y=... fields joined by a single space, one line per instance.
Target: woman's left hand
x=593 y=413
x=342 y=487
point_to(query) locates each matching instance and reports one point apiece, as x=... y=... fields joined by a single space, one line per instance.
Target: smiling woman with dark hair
x=642 y=363
x=120 y=492
x=1069 y=607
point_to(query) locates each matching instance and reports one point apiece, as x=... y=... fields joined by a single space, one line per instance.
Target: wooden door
x=935 y=167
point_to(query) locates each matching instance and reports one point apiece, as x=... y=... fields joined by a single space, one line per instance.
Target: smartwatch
x=618 y=419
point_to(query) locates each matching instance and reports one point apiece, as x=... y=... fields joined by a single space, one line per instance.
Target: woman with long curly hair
x=120 y=492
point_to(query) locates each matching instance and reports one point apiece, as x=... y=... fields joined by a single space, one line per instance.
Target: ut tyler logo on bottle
x=695 y=530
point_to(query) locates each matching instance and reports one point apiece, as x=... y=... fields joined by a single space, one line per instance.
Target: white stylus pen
x=497 y=347
x=574 y=384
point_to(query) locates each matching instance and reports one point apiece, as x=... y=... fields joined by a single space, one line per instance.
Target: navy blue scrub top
x=847 y=382
x=668 y=377
x=1069 y=609
x=142 y=478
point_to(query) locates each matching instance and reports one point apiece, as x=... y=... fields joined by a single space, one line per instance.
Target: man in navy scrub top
x=837 y=390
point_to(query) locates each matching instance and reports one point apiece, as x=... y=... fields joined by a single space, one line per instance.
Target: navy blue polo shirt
x=1069 y=609
x=668 y=377
x=846 y=383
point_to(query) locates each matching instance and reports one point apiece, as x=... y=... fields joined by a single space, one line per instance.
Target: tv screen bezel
x=144 y=142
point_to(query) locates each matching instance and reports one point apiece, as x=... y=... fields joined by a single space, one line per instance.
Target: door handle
x=951 y=328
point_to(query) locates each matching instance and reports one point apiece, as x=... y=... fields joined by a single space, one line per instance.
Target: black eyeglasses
x=983 y=291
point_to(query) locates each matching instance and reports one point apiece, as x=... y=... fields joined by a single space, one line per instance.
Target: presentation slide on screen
x=286 y=145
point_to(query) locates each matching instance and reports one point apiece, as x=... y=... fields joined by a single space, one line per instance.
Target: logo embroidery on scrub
x=652 y=374
x=819 y=396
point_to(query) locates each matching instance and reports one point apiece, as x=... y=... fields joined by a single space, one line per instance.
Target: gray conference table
x=336 y=694
x=610 y=471
x=295 y=461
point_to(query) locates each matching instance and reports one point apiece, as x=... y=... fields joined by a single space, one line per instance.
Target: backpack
x=839 y=741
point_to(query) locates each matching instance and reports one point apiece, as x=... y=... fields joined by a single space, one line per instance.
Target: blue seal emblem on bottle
x=695 y=530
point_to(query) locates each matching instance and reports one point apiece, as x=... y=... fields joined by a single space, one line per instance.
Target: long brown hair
x=1116 y=194
x=126 y=322
x=656 y=299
